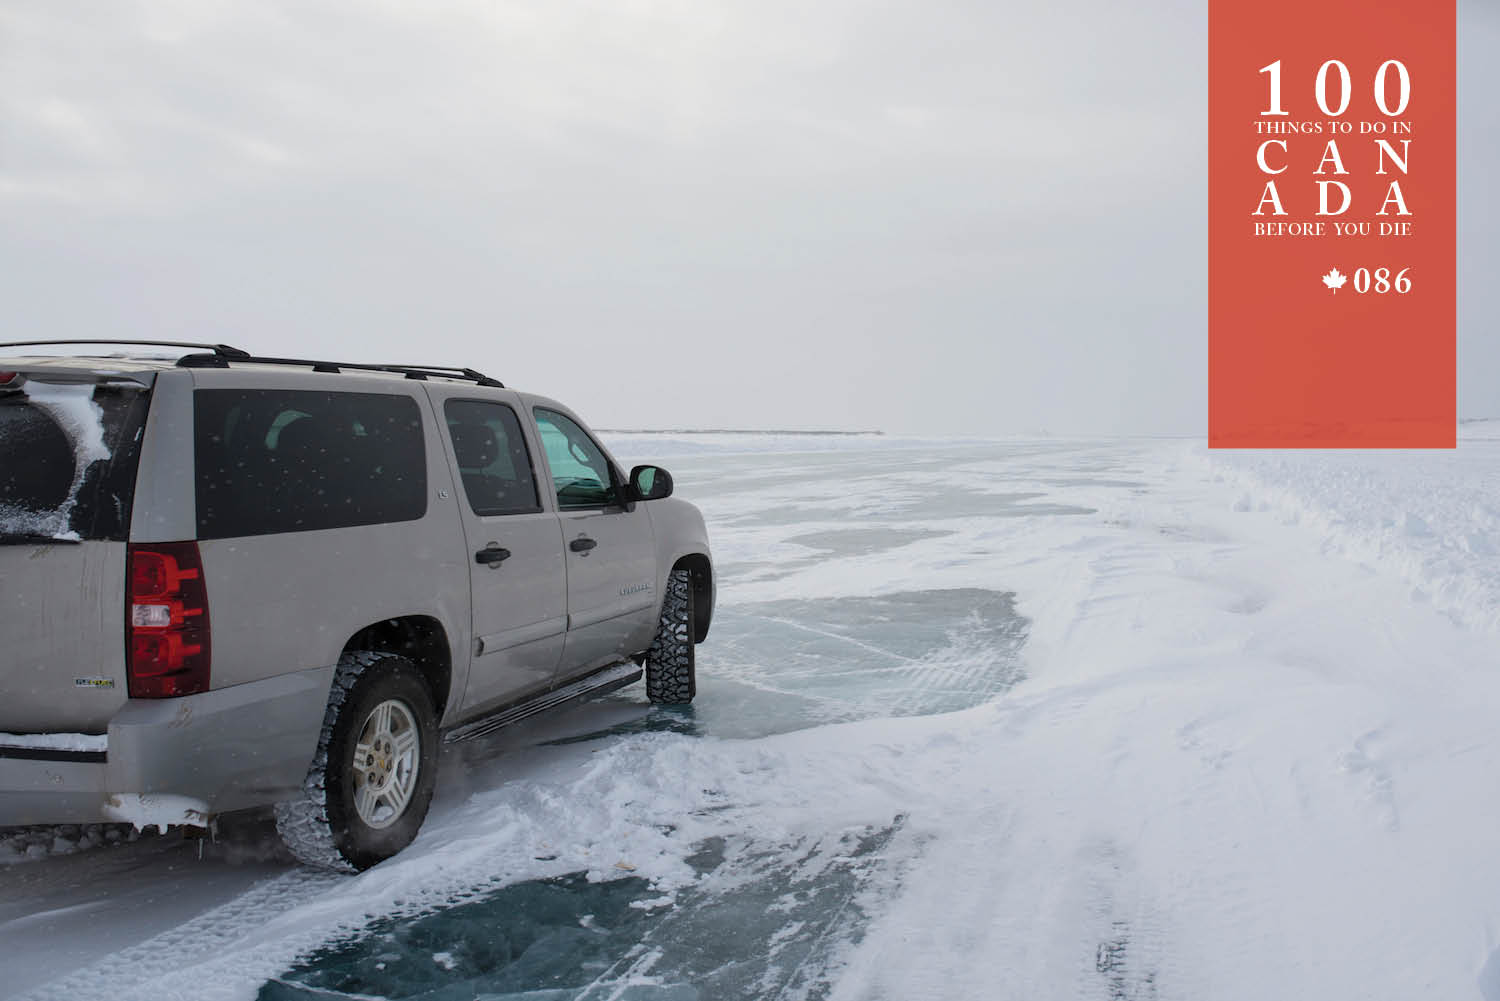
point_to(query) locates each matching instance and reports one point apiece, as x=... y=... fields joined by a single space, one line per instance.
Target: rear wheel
x=371 y=779
x=671 y=675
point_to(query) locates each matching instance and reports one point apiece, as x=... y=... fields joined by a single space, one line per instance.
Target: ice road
x=1037 y=719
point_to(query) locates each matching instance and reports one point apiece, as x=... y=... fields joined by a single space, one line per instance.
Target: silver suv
x=229 y=582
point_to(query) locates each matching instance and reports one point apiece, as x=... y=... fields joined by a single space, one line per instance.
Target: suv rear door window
x=580 y=472
x=492 y=457
x=280 y=460
x=68 y=455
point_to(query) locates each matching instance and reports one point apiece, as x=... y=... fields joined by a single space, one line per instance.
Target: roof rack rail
x=448 y=372
x=219 y=350
x=417 y=372
x=220 y=355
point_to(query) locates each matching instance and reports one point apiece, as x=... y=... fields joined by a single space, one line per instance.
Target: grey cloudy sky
x=975 y=217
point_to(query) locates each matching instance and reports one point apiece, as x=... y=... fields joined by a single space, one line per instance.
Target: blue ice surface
x=765 y=930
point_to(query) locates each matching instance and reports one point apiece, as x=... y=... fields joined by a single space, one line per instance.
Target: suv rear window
x=68 y=456
x=276 y=460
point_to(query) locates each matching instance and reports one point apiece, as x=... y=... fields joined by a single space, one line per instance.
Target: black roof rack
x=439 y=370
x=220 y=350
x=220 y=355
x=418 y=372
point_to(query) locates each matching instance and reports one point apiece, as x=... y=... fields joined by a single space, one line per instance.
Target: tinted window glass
x=492 y=457
x=68 y=460
x=275 y=460
x=580 y=472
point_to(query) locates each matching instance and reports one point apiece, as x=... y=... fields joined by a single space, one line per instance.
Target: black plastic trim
x=604 y=680
x=51 y=754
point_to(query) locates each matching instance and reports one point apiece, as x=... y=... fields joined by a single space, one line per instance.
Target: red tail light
x=166 y=626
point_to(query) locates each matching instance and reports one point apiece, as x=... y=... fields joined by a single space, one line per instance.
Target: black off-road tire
x=322 y=827
x=671 y=677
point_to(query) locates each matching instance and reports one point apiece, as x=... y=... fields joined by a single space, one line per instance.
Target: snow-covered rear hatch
x=68 y=454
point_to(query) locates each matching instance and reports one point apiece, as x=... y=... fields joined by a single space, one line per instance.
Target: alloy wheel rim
x=387 y=758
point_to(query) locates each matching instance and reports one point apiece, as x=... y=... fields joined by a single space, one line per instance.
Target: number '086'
x=1380 y=280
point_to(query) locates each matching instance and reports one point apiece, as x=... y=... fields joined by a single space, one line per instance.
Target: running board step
x=607 y=680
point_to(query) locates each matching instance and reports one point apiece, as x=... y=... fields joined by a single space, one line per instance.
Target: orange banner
x=1332 y=224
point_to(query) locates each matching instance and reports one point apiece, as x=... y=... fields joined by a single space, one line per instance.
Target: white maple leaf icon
x=1334 y=279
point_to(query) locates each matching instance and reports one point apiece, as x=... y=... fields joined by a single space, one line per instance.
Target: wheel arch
x=422 y=640
x=701 y=570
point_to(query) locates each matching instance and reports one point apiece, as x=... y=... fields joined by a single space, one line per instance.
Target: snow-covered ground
x=1020 y=719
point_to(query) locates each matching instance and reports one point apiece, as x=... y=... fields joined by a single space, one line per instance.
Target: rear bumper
x=39 y=791
x=177 y=761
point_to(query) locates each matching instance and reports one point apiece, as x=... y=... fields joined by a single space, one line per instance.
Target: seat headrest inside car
x=474 y=444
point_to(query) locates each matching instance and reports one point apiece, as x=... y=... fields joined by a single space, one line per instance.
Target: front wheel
x=371 y=780
x=671 y=675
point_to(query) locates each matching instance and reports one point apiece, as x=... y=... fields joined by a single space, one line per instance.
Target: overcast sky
x=979 y=217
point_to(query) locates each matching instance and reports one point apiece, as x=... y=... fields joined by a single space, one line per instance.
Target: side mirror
x=650 y=483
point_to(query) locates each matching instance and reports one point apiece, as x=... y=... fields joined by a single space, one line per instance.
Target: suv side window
x=492 y=457
x=282 y=460
x=580 y=472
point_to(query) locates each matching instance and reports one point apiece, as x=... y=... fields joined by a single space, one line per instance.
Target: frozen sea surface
x=1116 y=720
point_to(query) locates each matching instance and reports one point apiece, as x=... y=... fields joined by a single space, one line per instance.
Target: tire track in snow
x=212 y=934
